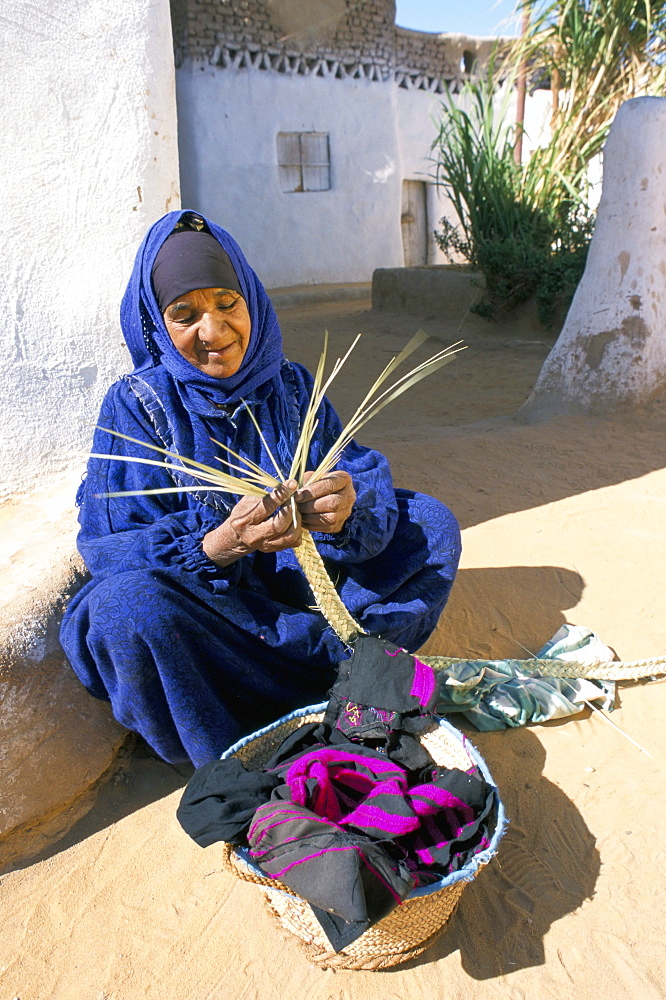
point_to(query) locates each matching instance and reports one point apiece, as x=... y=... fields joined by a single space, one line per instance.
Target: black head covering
x=187 y=260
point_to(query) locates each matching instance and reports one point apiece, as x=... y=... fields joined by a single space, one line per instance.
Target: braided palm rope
x=607 y=670
x=331 y=606
x=328 y=600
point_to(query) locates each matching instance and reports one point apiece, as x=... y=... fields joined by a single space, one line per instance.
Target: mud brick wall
x=349 y=38
x=354 y=32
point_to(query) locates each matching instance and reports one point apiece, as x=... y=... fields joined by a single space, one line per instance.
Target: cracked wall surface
x=612 y=348
x=89 y=159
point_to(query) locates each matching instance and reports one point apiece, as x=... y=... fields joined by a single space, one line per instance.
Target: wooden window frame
x=299 y=171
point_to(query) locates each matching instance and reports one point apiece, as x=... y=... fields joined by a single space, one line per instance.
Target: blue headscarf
x=149 y=342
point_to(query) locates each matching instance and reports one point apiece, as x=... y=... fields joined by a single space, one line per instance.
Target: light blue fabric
x=497 y=694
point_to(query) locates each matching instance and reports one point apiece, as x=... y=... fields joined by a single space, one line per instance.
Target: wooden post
x=521 y=91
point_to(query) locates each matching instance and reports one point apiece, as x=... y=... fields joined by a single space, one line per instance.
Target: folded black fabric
x=342 y=872
x=383 y=676
x=407 y=749
x=351 y=830
x=382 y=691
x=455 y=808
x=220 y=800
x=307 y=738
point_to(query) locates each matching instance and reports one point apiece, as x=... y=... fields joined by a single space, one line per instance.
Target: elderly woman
x=197 y=623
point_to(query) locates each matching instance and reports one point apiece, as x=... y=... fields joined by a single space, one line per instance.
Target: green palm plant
x=527 y=226
x=597 y=54
x=520 y=224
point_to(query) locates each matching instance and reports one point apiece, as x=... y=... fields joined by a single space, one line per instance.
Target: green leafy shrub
x=525 y=227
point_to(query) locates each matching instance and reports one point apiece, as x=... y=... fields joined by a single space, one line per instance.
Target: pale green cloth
x=495 y=694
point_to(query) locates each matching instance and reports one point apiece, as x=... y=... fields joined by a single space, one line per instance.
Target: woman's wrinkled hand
x=262 y=524
x=326 y=504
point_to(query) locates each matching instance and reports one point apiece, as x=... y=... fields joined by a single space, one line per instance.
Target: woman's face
x=210 y=327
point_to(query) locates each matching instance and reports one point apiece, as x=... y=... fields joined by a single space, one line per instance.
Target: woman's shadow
x=547 y=865
x=500 y=612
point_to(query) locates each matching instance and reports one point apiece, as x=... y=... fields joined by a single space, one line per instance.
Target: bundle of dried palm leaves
x=255 y=481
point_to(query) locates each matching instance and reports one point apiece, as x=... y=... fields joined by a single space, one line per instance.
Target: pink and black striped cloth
x=352 y=813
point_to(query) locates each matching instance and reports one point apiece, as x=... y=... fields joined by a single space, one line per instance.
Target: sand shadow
x=501 y=612
x=466 y=432
x=137 y=778
x=546 y=867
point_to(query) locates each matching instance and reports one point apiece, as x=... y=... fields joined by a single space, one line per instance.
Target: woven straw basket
x=421 y=918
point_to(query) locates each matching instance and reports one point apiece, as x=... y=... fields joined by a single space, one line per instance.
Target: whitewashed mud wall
x=251 y=69
x=612 y=348
x=380 y=134
x=89 y=159
x=417 y=112
x=228 y=122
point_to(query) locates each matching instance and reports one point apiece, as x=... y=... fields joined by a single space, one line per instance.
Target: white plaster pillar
x=612 y=348
x=88 y=160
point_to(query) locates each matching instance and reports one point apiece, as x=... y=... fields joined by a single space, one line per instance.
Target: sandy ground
x=563 y=521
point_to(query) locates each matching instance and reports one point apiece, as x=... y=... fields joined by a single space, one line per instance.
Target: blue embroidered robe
x=193 y=656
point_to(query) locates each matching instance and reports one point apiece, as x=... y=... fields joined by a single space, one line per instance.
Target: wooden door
x=414 y=223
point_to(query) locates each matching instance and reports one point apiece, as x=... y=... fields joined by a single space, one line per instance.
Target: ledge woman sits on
x=197 y=623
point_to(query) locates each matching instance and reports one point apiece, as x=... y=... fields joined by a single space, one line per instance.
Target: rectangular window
x=303 y=161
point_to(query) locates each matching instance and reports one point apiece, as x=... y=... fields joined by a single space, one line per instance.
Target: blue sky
x=471 y=17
